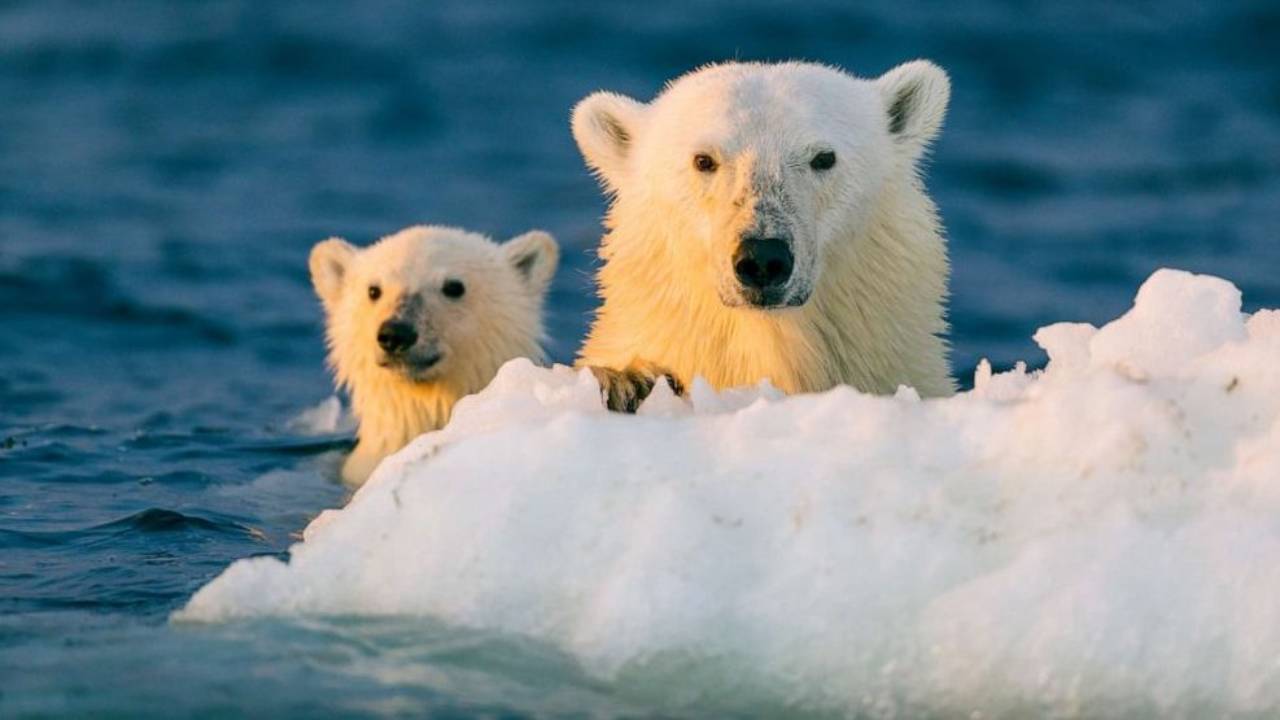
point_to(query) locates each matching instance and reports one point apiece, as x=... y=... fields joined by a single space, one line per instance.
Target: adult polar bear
x=769 y=222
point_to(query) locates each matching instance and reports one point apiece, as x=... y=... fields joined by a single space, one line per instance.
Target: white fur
x=497 y=319
x=870 y=279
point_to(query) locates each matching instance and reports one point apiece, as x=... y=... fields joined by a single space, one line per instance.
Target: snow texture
x=1101 y=538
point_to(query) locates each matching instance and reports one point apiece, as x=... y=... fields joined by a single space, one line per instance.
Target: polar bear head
x=431 y=305
x=754 y=170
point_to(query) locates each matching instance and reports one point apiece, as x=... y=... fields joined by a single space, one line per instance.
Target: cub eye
x=453 y=289
x=824 y=160
x=704 y=163
x=375 y=292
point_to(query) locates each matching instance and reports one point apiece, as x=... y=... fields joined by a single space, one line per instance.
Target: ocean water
x=166 y=166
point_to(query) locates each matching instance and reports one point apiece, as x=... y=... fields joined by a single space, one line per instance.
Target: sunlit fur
x=871 y=266
x=497 y=319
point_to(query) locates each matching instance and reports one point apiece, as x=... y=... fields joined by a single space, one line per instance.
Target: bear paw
x=624 y=390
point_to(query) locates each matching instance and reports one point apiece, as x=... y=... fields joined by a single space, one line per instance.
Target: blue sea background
x=166 y=166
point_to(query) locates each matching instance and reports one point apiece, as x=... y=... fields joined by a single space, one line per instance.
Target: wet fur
x=875 y=316
x=499 y=318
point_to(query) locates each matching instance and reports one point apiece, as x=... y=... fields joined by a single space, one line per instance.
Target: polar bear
x=422 y=318
x=769 y=221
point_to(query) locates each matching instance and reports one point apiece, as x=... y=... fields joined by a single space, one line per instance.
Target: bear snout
x=396 y=336
x=763 y=266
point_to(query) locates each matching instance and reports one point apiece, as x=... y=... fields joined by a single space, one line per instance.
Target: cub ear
x=535 y=256
x=329 y=262
x=605 y=126
x=915 y=96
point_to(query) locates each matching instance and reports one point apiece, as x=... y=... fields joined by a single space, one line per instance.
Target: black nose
x=395 y=336
x=763 y=263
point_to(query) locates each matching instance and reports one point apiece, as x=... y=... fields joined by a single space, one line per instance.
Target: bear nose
x=395 y=336
x=763 y=263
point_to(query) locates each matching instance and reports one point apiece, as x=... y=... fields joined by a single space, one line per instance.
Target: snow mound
x=1101 y=538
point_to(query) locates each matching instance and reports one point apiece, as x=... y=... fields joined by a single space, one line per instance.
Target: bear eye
x=453 y=289
x=704 y=163
x=824 y=160
x=375 y=292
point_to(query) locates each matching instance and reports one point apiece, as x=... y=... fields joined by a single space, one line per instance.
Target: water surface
x=165 y=168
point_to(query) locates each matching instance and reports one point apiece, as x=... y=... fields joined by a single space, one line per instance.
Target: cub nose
x=395 y=336
x=763 y=263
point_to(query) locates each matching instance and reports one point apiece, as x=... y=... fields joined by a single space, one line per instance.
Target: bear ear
x=535 y=256
x=605 y=126
x=915 y=96
x=330 y=260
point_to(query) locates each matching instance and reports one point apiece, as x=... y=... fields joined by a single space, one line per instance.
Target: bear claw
x=624 y=390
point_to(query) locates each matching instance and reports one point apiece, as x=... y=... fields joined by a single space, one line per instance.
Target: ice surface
x=1099 y=539
x=327 y=417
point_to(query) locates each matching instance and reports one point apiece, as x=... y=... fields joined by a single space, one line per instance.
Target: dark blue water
x=166 y=166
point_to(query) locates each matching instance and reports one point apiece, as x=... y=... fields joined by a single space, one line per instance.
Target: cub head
x=432 y=305
x=759 y=168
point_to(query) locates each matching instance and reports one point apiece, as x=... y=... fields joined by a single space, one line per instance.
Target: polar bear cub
x=422 y=318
